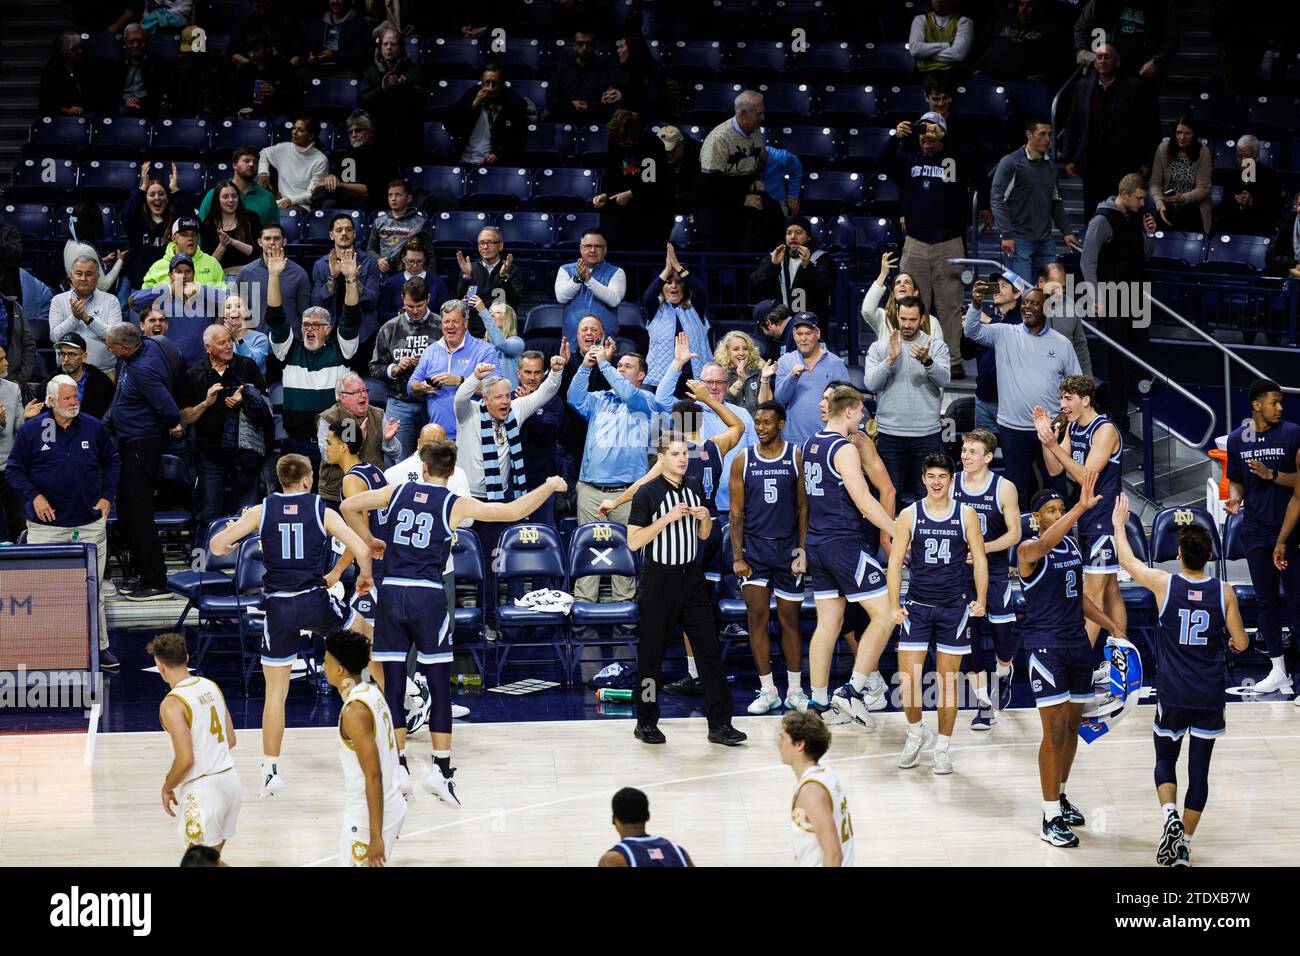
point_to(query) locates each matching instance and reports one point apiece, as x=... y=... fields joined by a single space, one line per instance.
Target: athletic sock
x=690 y=668
x=858 y=681
x=916 y=729
x=1279 y=664
x=1051 y=809
x=982 y=697
x=442 y=760
x=820 y=695
x=1169 y=808
x=1003 y=669
x=942 y=742
x=270 y=765
x=876 y=683
x=794 y=681
x=767 y=683
x=1187 y=837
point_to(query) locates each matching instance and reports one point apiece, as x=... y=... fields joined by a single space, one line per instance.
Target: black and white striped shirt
x=679 y=543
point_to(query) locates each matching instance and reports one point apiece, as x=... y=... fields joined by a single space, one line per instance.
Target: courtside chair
x=224 y=613
x=531 y=556
x=471 y=578
x=210 y=573
x=600 y=549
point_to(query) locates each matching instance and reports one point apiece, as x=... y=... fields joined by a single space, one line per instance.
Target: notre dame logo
x=529 y=536
x=602 y=532
x=1033 y=522
x=1184 y=517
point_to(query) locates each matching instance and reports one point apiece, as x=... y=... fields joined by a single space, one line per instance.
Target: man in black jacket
x=140 y=79
x=574 y=95
x=94 y=388
x=1113 y=130
x=488 y=272
x=224 y=398
x=797 y=275
x=489 y=124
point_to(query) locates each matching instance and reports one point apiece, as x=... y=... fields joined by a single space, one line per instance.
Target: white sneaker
x=942 y=762
x=853 y=704
x=765 y=702
x=1276 y=680
x=458 y=711
x=798 y=700
x=1102 y=674
x=913 y=747
x=272 y=785
x=441 y=787
x=107 y=588
x=404 y=783
x=874 y=695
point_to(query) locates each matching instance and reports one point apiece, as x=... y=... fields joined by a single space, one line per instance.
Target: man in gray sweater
x=1032 y=360
x=907 y=372
x=1026 y=202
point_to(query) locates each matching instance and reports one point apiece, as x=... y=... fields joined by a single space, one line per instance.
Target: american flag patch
x=1193 y=595
x=421 y=497
x=291 y=509
x=655 y=853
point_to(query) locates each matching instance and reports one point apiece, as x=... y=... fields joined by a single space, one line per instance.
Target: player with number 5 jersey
x=295 y=528
x=1058 y=648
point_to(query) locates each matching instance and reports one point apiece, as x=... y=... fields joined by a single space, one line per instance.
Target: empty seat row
x=1226 y=253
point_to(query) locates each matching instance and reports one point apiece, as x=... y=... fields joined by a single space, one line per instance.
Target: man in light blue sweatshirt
x=1026 y=202
x=1032 y=359
x=907 y=372
x=802 y=377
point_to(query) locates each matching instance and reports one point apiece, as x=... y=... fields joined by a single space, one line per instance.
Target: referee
x=669 y=520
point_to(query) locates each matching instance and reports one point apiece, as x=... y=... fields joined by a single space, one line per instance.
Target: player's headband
x=1044 y=496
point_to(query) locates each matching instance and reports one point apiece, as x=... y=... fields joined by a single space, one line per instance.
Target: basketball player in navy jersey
x=769 y=524
x=1056 y=642
x=1262 y=473
x=997 y=504
x=936 y=534
x=635 y=847
x=412 y=609
x=1286 y=551
x=295 y=528
x=1091 y=442
x=1198 y=615
x=841 y=566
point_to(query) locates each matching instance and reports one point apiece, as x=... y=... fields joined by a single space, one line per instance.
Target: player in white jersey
x=820 y=822
x=375 y=808
x=201 y=781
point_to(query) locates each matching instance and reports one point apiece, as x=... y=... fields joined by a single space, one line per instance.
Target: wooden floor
x=538 y=794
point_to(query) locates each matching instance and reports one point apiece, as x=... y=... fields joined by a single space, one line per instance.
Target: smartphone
x=1170 y=192
x=470 y=293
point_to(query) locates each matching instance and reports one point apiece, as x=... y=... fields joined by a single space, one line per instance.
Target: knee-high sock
x=1198 y=773
x=439 y=678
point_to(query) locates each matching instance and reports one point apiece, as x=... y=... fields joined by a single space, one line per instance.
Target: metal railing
x=1065 y=87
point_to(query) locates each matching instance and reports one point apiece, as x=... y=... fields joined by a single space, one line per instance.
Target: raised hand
x=391 y=425
x=1043 y=425
x=478 y=304
x=697 y=390
x=483 y=370
x=1087 y=493
x=565 y=353
x=895 y=347
x=778 y=254
x=1119 y=515
x=609 y=348
x=921 y=352
x=888 y=262
x=348 y=263
x=275 y=261
x=682 y=350
x=505 y=266
x=592 y=356
x=466 y=268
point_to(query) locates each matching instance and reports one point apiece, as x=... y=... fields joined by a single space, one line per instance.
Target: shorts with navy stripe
x=1099 y=555
x=843 y=568
x=769 y=560
x=366 y=605
x=412 y=613
x=287 y=616
x=945 y=627
x=1060 y=675
x=1173 y=722
x=998 y=608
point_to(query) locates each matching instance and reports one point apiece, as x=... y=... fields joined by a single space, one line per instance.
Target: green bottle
x=614 y=694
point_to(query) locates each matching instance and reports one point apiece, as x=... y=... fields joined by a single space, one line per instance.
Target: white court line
x=737 y=773
x=89 y=757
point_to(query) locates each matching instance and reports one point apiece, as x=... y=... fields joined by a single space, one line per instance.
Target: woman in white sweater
x=881 y=319
x=299 y=164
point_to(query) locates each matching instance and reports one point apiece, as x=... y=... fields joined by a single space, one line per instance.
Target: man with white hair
x=377 y=431
x=444 y=365
x=1251 y=206
x=314 y=366
x=66 y=467
x=732 y=160
x=87 y=311
x=224 y=397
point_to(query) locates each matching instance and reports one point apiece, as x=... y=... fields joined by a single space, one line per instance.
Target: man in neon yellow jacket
x=185 y=239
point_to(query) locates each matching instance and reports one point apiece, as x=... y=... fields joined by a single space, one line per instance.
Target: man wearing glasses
x=490 y=272
x=590 y=286
x=94 y=388
x=378 y=433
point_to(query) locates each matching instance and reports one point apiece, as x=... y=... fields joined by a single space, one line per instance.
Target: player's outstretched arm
x=815 y=802
x=224 y=541
x=1153 y=579
x=1095 y=614
x=1238 y=640
x=355 y=508
x=358 y=726
x=1031 y=552
x=516 y=510
x=610 y=504
x=356 y=543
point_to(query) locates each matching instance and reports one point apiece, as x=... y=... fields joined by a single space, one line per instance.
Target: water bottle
x=613 y=694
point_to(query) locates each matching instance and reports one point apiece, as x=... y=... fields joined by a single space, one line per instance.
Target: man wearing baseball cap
x=683 y=155
x=797 y=274
x=94 y=388
x=802 y=377
x=185 y=240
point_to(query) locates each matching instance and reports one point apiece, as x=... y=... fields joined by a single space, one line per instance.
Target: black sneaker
x=1004 y=687
x=1057 y=833
x=1070 y=813
x=727 y=735
x=649 y=734
x=107 y=661
x=1170 y=842
x=688 y=686
x=142 y=593
x=956 y=372
x=1184 y=857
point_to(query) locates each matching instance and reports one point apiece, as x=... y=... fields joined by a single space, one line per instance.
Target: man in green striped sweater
x=314 y=366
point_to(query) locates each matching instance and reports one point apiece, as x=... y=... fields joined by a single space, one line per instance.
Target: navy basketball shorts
x=711 y=554
x=367 y=605
x=843 y=568
x=412 y=613
x=288 y=615
x=1098 y=548
x=1060 y=674
x=1174 y=722
x=946 y=627
x=769 y=559
x=994 y=638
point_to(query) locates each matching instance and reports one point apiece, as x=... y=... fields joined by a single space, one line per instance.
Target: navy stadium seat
x=983 y=101
x=822 y=61
x=1216 y=114
x=458 y=230
x=215 y=574
x=443 y=94
x=451 y=56
x=229 y=133
x=832 y=192
x=682 y=235
x=548 y=144
x=600 y=549
x=533 y=90
x=564 y=189
x=1177 y=250
x=845 y=104
x=192 y=176
x=471 y=575
x=521 y=58
x=497 y=187
x=446 y=184
x=292 y=222
x=692 y=60
x=814 y=145
x=882 y=197
x=528 y=230
x=119 y=137
x=710 y=103
x=165 y=45
x=62 y=136
x=1225 y=158
x=1237 y=253
x=1234 y=549
x=530 y=556
x=754 y=61
x=437 y=142
x=32 y=220
x=569 y=227
x=282 y=127
x=181 y=139
x=316 y=225
x=1271 y=117
x=867 y=145
x=789 y=103
x=590 y=145
x=102 y=45
x=1164 y=531
x=109 y=180
x=542 y=319
x=902 y=102
x=332 y=96
x=889 y=60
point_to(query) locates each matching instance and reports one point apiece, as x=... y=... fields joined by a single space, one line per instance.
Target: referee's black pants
x=672 y=599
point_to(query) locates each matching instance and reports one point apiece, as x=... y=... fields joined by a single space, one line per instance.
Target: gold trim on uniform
x=359 y=851
x=193 y=820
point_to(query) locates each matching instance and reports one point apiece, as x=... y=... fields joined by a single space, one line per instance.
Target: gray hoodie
x=1025 y=199
x=397 y=338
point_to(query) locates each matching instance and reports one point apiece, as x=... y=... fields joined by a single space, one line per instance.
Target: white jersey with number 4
x=807 y=851
x=354 y=780
x=209 y=731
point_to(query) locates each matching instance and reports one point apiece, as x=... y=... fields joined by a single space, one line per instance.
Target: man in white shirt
x=590 y=286
x=87 y=311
